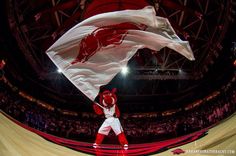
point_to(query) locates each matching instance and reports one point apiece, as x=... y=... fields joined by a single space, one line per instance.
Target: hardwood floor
x=17 y=141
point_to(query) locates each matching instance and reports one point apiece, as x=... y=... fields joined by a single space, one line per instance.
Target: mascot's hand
x=98 y=110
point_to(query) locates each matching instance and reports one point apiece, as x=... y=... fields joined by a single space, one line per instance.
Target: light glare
x=59 y=70
x=124 y=70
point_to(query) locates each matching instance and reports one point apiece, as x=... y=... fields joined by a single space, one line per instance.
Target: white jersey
x=109 y=112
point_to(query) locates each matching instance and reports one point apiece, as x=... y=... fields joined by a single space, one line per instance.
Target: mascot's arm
x=98 y=110
x=117 y=111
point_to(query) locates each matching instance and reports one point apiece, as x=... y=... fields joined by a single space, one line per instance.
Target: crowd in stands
x=182 y=123
x=137 y=128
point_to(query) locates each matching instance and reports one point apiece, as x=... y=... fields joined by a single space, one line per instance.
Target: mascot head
x=108 y=98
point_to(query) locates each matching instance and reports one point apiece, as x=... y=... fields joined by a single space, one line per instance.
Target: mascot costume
x=108 y=107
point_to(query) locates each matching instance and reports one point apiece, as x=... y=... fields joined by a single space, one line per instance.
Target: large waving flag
x=91 y=53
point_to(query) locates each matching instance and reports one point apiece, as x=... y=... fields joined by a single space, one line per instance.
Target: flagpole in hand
x=99 y=105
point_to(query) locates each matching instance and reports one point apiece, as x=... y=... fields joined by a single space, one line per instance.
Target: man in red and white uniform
x=109 y=108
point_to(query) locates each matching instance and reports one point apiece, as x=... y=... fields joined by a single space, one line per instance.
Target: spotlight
x=59 y=70
x=124 y=70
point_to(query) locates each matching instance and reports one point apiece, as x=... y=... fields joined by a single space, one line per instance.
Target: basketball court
x=17 y=140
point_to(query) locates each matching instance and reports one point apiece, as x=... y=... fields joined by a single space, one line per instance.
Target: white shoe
x=125 y=146
x=95 y=145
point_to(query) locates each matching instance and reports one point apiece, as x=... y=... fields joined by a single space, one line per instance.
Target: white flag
x=91 y=53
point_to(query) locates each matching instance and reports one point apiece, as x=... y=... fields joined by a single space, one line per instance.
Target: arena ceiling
x=163 y=78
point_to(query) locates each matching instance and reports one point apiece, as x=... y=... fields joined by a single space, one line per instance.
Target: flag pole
x=99 y=105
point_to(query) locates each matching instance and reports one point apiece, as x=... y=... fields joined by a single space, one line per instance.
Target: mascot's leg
x=99 y=139
x=123 y=141
x=117 y=128
x=103 y=130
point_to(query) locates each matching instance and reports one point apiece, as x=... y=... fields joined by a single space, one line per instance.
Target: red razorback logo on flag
x=102 y=37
